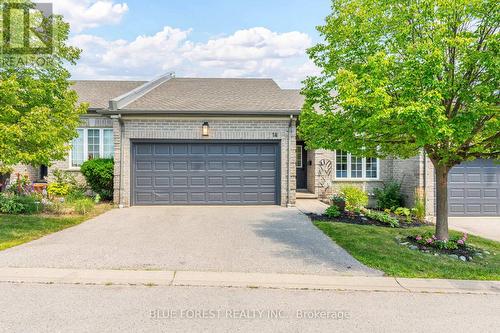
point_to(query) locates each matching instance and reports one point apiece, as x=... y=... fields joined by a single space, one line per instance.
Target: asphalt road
x=79 y=308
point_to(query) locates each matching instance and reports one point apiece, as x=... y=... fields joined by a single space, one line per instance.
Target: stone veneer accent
x=237 y=128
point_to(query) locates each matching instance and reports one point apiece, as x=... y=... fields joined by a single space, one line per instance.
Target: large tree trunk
x=442 y=201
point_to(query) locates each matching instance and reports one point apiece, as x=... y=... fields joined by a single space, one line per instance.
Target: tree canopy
x=38 y=110
x=399 y=76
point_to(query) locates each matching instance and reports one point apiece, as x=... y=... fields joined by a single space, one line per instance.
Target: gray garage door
x=205 y=173
x=474 y=189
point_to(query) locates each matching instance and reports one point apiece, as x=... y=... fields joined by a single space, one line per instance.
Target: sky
x=132 y=39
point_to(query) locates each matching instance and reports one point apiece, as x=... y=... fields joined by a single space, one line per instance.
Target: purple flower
x=429 y=241
x=434 y=237
x=460 y=241
x=418 y=238
x=464 y=237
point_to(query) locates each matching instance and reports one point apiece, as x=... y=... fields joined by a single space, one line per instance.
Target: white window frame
x=86 y=147
x=299 y=166
x=351 y=179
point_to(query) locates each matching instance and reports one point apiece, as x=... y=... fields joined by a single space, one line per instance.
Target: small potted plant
x=338 y=201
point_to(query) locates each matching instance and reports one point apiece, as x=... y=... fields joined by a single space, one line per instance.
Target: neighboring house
x=194 y=141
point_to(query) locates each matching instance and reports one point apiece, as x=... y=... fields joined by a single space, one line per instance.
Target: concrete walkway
x=311 y=206
x=487 y=227
x=244 y=280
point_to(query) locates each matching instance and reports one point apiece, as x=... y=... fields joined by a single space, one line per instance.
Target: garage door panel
x=162 y=166
x=205 y=173
x=474 y=189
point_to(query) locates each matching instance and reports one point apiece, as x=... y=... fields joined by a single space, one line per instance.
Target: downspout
x=289 y=174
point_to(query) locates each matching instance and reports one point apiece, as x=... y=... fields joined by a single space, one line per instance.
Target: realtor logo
x=27 y=28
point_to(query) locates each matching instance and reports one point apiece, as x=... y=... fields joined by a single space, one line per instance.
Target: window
x=341 y=164
x=108 y=143
x=77 y=151
x=352 y=167
x=298 y=156
x=91 y=143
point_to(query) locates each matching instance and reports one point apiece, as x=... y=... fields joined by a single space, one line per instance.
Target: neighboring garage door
x=195 y=173
x=474 y=189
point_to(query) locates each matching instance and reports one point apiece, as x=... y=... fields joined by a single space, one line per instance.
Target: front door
x=301 y=160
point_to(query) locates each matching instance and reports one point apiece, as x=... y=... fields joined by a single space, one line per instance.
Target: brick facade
x=190 y=129
x=414 y=174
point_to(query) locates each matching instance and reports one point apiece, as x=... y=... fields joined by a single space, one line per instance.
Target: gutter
x=201 y=112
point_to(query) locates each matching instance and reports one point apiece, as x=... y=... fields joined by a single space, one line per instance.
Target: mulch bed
x=363 y=220
x=466 y=252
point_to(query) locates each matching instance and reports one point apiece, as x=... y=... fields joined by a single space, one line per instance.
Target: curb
x=245 y=280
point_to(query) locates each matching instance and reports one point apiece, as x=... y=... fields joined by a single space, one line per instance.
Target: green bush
x=390 y=196
x=83 y=206
x=382 y=217
x=19 y=204
x=332 y=211
x=58 y=189
x=99 y=176
x=403 y=211
x=355 y=198
x=75 y=194
x=419 y=207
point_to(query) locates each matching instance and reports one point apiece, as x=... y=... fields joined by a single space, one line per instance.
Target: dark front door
x=205 y=173
x=301 y=160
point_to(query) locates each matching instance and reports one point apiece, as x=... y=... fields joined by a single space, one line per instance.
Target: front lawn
x=378 y=248
x=18 y=229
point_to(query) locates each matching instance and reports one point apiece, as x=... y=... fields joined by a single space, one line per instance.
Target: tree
x=399 y=76
x=38 y=110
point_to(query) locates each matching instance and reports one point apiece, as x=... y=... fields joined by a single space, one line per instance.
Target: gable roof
x=99 y=93
x=190 y=96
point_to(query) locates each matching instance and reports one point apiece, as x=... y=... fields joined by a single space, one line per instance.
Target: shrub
x=382 y=217
x=55 y=207
x=84 y=206
x=99 y=176
x=355 y=198
x=390 y=196
x=428 y=239
x=19 y=204
x=338 y=201
x=58 y=189
x=75 y=194
x=419 y=206
x=403 y=211
x=333 y=211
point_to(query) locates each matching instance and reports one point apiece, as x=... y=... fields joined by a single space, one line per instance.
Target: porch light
x=204 y=129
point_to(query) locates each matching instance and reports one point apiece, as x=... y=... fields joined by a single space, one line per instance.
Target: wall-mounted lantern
x=205 y=128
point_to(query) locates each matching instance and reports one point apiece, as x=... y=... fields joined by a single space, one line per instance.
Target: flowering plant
x=428 y=239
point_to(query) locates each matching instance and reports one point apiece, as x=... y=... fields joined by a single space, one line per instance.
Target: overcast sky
x=133 y=39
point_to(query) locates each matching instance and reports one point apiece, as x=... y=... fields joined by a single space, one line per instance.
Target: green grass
x=377 y=247
x=19 y=229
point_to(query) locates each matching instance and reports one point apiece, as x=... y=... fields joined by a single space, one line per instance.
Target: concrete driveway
x=487 y=227
x=265 y=239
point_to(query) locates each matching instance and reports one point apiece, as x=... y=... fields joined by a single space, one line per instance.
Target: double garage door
x=205 y=173
x=474 y=189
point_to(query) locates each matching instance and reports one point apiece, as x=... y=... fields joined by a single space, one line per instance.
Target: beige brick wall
x=413 y=173
x=190 y=129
